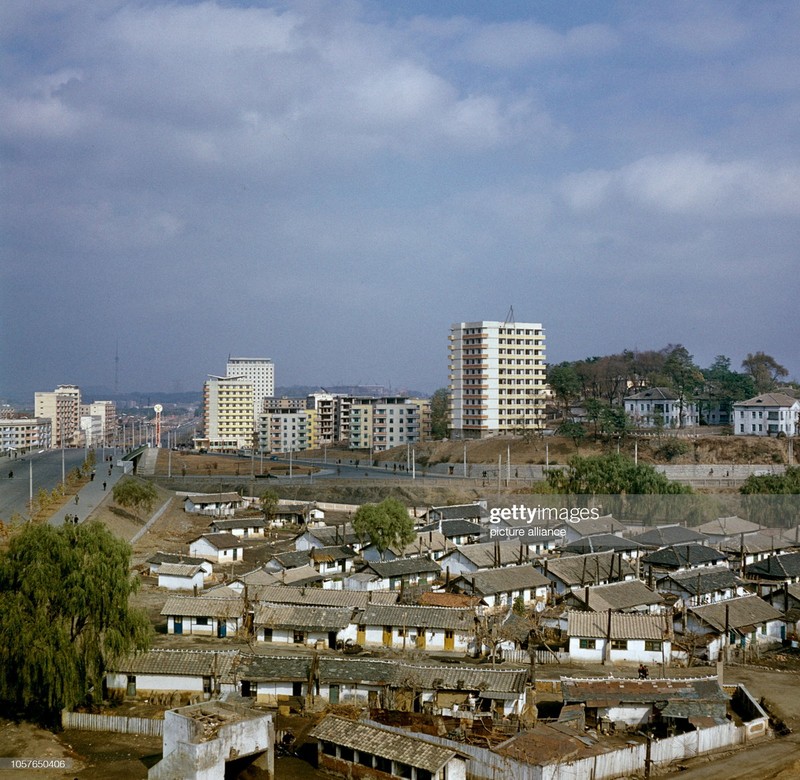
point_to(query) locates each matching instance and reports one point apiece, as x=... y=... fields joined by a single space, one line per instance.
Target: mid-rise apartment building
x=497 y=378
x=63 y=407
x=379 y=424
x=261 y=372
x=103 y=423
x=19 y=435
x=284 y=426
x=228 y=416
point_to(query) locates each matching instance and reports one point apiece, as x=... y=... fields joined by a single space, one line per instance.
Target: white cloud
x=690 y=184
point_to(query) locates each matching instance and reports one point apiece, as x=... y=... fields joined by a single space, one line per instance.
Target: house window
x=201 y=621
x=652 y=645
x=588 y=644
x=619 y=644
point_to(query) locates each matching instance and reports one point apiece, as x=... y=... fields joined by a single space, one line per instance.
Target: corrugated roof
x=608 y=692
x=242 y=522
x=743 y=612
x=418 y=617
x=484 y=555
x=728 y=526
x=587 y=569
x=179 y=569
x=624 y=625
x=452 y=528
x=403 y=748
x=509 y=578
x=313 y=618
x=203 y=606
x=618 y=595
x=667 y=535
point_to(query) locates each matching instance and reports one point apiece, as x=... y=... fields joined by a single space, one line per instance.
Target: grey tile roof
x=386 y=744
x=457 y=512
x=653 y=394
x=754 y=543
x=768 y=399
x=316 y=618
x=402 y=566
x=743 y=612
x=619 y=596
x=179 y=663
x=268 y=668
x=162 y=557
x=628 y=625
x=776 y=567
x=607 y=524
x=453 y=528
x=667 y=535
x=508 y=578
x=601 y=543
x=242 y=522
x=728 y=526
x=222 y=541
x=586 y=569
x=201 y=499
x=701 y=580
x=684 y=555
x=418 y=617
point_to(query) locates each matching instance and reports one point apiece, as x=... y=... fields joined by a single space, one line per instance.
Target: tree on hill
x=684 y=377
x=136 y=495
x=764 y=370
x=440 y=414
x=610 y=474
x=384 y=524
x=64 y=616
x=726 y=386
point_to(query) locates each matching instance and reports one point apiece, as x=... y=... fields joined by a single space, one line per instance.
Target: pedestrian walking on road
x=104 y=486
x=76 y=498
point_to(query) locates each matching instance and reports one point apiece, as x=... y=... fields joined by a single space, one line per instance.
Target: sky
x=332 y=184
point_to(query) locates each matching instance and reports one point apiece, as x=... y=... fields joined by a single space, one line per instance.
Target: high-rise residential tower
x=497 y=378
x=261 y=372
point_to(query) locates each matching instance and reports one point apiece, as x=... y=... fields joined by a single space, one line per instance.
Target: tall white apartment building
x=106 y=411
x=380 y=424
x=63 y=407
x=228 y=417
x=261 y=372
x=497 y=378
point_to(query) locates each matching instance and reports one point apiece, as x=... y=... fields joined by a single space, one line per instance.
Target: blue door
x=222 y=629
x=178 y=625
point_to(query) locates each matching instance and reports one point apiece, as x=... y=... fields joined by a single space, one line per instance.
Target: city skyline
x=335 y=186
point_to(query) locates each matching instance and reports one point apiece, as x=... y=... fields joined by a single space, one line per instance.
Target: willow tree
x=385 y=524
x=64 y=616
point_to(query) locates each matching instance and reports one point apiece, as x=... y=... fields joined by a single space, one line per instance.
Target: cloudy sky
x=332 y=184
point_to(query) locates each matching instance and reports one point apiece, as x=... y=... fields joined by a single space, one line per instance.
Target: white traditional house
x=181 y=576
x=219 y=612
x=316 y=626
x=215 y=504
x=502 y=587
x=483 y=555
x=393 y=575
x=750 y=622
x=219 y=548
x=768 y=414
x=702 y=585
x=247 y=527
x=599 y=637
x=425 y=628
x=190 y=674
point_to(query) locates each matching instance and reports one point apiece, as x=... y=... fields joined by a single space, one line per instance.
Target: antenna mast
x=510 y=317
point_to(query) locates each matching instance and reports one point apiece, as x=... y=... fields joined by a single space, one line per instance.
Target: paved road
x=41 y=470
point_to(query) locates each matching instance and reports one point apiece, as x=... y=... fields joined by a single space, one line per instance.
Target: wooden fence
x=118 y=724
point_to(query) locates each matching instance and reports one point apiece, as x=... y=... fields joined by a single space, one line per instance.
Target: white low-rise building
x=597 y=637
x=768 y=414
